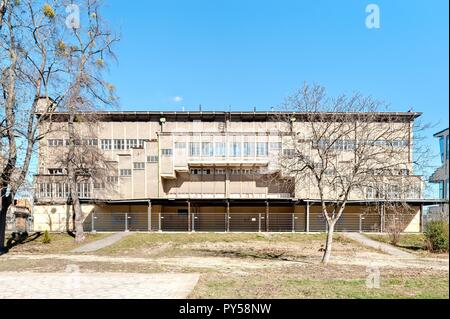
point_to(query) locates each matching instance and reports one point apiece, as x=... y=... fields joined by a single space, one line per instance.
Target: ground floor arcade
x=233 y=215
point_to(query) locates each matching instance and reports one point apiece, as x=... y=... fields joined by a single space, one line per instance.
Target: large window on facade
x=261 y=149
x=119 y=144
x=249 y=149
x=235 y=149
x=219 y=149
x=207 y=149
x=194 y=149
x=125 y=172
x=167 y=152
x=106 y=144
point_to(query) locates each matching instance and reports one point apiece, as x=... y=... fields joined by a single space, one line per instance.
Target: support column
x=421 y=219
x=227 y=225
x=267 y=216
x=189 y=215
x=307 y=217
x=149 y=216
x=383 y=217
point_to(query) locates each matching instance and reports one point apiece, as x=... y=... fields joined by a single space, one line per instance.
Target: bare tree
x=44 y=66
x=28 y=75
x=339 y=149
x=86 y=49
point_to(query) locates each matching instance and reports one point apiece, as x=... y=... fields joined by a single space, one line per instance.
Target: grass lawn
x=245 y=265
x=407 y=241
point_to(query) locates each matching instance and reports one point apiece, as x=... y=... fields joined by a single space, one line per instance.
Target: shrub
x=436 y=235
x=47 y=239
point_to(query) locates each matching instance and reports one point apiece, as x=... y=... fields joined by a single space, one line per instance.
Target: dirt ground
x=254 y=265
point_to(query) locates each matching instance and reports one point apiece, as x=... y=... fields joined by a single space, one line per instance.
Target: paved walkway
x=101 y=243
x=386 y=248
x=75 y=285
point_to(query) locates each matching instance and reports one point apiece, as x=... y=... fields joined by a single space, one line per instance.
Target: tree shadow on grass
x=17 y=239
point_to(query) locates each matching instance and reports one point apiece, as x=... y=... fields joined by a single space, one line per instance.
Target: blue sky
x=254 y=53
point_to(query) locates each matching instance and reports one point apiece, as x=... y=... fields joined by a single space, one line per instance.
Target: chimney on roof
x=254 y=109
x=200 y=108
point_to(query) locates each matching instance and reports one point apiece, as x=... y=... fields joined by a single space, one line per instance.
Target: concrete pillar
x=149 y=218
x=227 y=225
x=267 y=216
x=307 y=217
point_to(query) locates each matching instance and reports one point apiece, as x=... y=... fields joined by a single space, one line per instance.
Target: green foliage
x=48 y=11
x=437 y=236
x=47 y=239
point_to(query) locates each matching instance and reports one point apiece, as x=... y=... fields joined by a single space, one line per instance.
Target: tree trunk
x=5 y=202
x=330 y=232
x=72 y=181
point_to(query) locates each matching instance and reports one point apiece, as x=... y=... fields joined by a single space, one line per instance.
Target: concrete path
x=75 y=285
x=101 y=243
x=386 y=248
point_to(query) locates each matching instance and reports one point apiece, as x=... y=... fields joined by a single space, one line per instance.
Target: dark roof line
x=440 y=132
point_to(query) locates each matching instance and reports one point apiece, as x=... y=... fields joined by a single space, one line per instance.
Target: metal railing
x=223 y=222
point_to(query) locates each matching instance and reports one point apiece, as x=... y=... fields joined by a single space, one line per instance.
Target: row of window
x=393 y=191
x=62 y=142
x=349 y=145
x=222 y=171
x=61 y=190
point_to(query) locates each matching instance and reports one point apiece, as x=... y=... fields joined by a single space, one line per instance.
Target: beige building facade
x=199 y=171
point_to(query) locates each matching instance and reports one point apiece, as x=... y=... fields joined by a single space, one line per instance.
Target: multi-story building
x=441 y=177
x=197 y=171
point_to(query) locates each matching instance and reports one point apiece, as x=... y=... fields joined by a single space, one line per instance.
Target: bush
x=47 y=239
x=436 y=235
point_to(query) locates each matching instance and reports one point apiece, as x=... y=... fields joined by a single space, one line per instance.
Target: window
x=180 y=145
x=249 y=149
x=90 y=142
x=55 y=171
x=275 y=146
x=112 y=179
x=46 y=190
x=84 y=190
x=152 y=159
x=393 y=191
x=194 y=149
x=371 y=192
x=139 y=165
x=289 y=152
x=261 y=149
x=125 y=172
x=399 y=143
x=235 y=171
x=61 y=190
x=119 y=144
x=220 y=149
x=220 y=171
x=196 y=171
x=207 y=149
x=166 y=152
x=55 y=143
x=247 y=172
x=99 y=185
x=131 y=143
x=235 y=149
x=106 y=144
x=206 y=172
x=404 y=172
x=141 y=143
